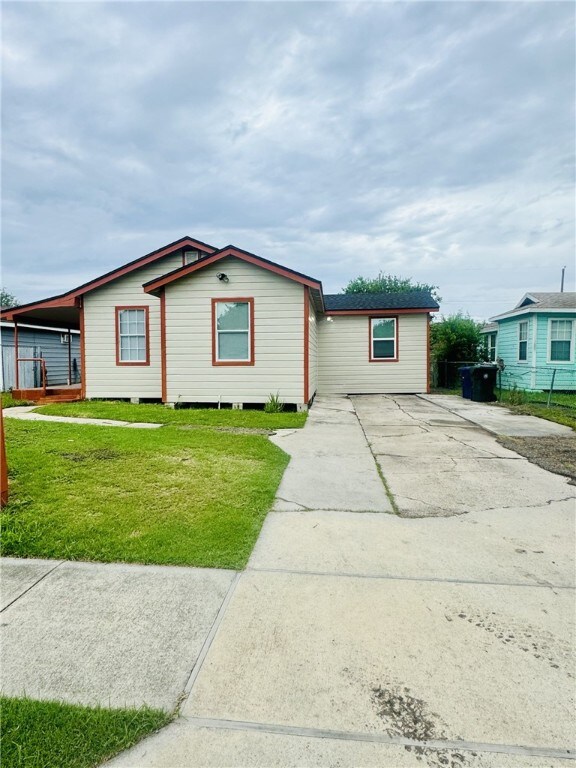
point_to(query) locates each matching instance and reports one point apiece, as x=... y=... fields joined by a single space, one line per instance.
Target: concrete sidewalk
x=28 y=413
x=110 y=634
x=365 y=638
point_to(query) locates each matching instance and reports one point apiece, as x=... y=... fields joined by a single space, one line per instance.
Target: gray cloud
x=432 y=140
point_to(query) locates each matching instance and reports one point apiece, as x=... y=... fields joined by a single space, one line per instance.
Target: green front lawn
x=9 y=402
x=167 y=496
x=47 y=734
x=210 y=417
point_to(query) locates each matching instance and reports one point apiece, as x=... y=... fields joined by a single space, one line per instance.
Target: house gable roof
x=553 y=302
x=69 y=299
x=154 y=286
x=363 y=303
x=550 y=300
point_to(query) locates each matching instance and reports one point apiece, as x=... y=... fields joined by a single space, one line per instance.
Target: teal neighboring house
x=537 y=342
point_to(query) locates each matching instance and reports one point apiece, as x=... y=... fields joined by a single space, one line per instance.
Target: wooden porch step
x=53 y=395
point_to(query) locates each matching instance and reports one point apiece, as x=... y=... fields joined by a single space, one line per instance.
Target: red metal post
x=16 y=371
x=69 y=356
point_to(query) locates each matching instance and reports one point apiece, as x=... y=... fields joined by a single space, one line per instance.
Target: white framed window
x=492 y=347
x=383 y=339
x=523 y=341
x=132 y=336
x=561 y=343
x=189 y=257
x=233 y=331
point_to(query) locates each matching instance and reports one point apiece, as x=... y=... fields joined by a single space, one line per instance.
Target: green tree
x=389 y=284
x=7 y=299
x=457 y=338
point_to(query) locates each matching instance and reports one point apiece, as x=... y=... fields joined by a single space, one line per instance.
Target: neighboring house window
x=64 y=338
x=132 y=340
x=233 y=331
x=560 y=341
x=523 y=341
x=383 y=339
x=492 y=347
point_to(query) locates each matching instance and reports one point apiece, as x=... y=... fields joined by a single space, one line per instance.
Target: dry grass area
x=556 y=454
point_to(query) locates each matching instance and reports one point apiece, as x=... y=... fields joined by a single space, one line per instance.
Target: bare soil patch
x=556 y=454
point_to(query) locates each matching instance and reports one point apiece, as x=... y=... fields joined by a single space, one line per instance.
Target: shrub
x=274 y=404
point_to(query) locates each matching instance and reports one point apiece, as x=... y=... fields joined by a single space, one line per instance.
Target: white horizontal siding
x=103 y=377
x=344 y=366
x=278 y=337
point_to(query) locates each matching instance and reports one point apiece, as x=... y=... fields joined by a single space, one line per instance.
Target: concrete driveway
x=410 y=602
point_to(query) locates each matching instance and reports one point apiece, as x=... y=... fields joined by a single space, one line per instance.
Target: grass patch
x=9 y=402
x=209 y=417
x=169 y=496
x=562 y=409
x=47 y=734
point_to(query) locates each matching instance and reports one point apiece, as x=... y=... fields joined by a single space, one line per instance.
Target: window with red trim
x=233 y=331
x=132 y=336
x=383 y=338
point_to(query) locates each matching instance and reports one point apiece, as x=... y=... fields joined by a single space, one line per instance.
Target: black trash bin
x=465 y=372
x=483 y=383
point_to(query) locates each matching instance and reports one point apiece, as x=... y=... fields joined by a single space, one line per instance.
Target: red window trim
x=396 y=339
x=236 y=299
x=117 y=311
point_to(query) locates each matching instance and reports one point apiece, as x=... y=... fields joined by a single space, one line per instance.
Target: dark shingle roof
x=359 y=301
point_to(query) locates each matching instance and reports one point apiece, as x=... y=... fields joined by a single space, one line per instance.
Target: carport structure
x=63 y=312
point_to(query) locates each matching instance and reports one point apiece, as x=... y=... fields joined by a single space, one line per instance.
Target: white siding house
x=345 y=365
x=104 y=377
x=190 y=323
x=278 y=337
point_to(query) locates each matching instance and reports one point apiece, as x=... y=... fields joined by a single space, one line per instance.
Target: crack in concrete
x=41 y=578
x=530 y=506
x=410 y=416
x=389 y=493
x=448 y=512
x=302 y=507
x=322 y=733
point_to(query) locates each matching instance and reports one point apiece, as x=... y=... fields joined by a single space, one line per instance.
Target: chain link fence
x=552 y=384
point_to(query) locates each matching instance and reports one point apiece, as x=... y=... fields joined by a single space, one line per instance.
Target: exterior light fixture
x=223 y=277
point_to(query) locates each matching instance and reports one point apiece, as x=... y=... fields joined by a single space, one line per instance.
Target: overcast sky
x=428 y=140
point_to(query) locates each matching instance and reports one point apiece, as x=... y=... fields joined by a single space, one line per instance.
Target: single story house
x=191 y=323
x=537 y=342
x=60 y=351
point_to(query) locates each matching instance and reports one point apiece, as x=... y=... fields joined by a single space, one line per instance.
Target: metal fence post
x=551 y=388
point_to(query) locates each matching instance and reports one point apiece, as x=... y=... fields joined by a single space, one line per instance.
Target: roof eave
x=388 y=310
x=532 y=310
x=70 y=297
